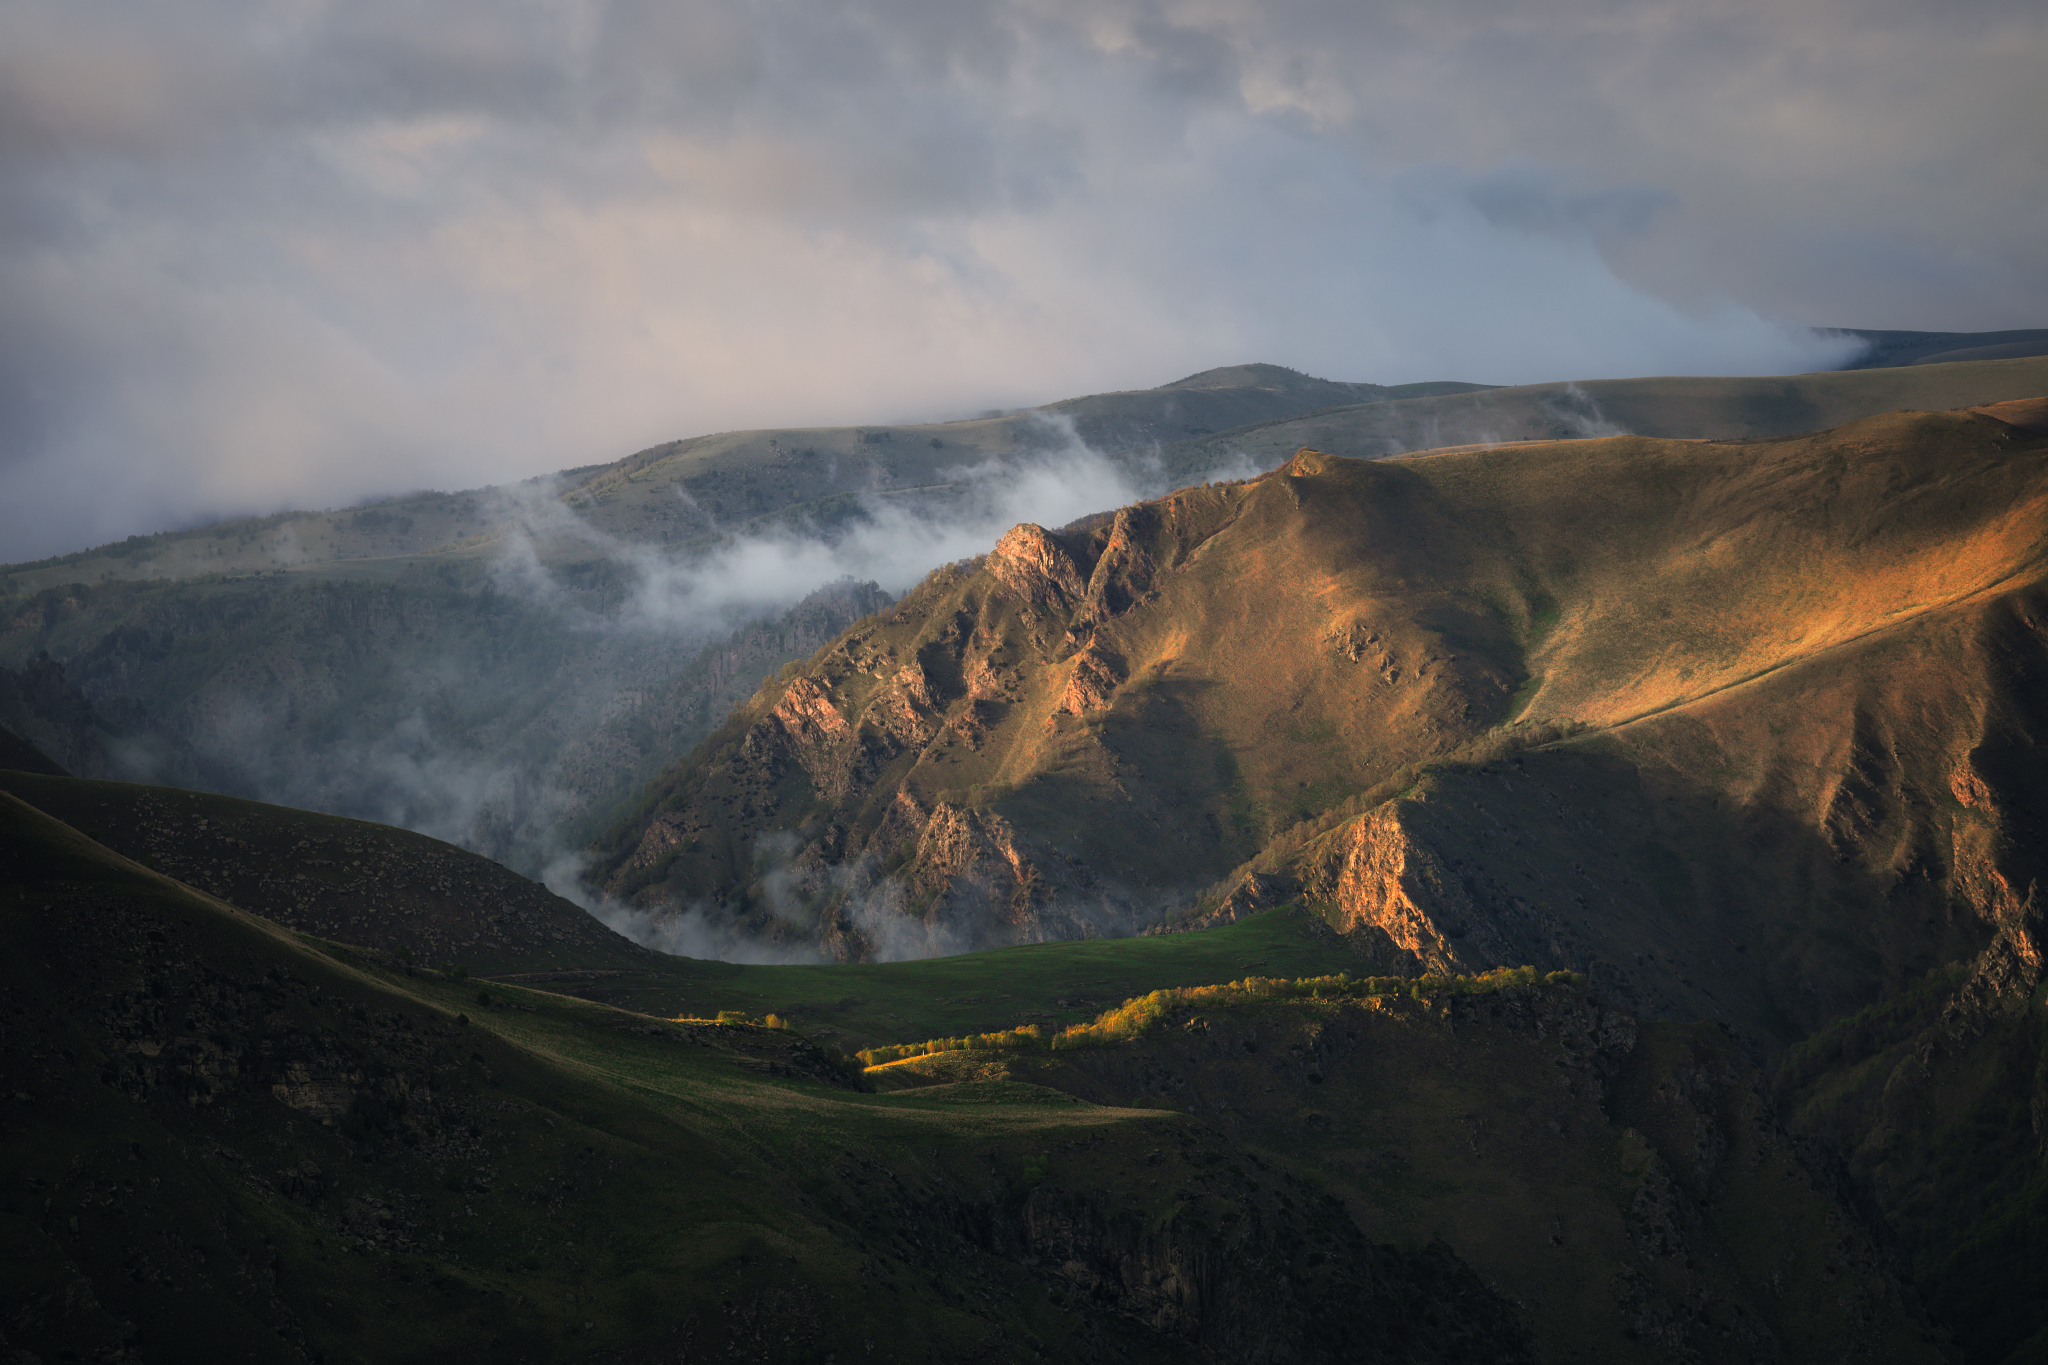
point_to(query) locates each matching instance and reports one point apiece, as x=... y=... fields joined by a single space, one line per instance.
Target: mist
x=512 y=705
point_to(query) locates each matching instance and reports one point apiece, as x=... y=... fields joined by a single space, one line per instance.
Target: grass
x=1136 y=1017
x=856 y=1005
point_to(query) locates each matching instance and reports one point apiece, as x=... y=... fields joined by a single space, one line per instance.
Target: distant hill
x=1943 y=348
x=739 y=479
x=733 y=479
x=1711 y=408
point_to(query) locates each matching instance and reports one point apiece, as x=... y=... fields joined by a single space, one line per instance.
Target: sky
x=268 y=253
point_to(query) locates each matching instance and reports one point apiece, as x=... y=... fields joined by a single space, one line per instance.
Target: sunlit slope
x=1773 y=855
x=1656 y=574
x=1091 y=725
x=1679 y=406
x=227 y=1141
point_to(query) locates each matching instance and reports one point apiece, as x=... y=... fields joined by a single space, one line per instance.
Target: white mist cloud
x=892 y=543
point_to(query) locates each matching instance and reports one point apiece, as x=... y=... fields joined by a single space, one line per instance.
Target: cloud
x=259 y=254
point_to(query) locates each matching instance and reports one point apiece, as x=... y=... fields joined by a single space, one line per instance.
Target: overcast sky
x=258 y=253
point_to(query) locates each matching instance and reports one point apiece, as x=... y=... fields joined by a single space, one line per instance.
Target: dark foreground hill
x=232 y=1142
x=345 y=880
x=235 y=1146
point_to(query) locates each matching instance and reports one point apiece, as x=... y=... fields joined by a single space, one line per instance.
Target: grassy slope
x=856 y=1005
x=239 y=1142
x=389 y=889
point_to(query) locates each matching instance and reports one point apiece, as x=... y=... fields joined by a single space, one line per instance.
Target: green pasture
x=856 y=1005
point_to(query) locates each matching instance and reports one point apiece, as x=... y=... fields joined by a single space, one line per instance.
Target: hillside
x=239 y=1143
x=1712 y=408
x=1624 y=1181
x=344 y=880
x=241 y=1137
x=1748 y=731
x=502 y=720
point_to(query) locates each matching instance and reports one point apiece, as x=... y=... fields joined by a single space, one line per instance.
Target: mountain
x=1750 y=731
x=1594 y=894
x=1088 y=727
x=505 y=667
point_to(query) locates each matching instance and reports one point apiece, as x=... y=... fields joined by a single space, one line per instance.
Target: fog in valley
x=510 y=702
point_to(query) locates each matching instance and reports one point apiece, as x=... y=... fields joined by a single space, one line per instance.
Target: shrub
x=1137 y=1016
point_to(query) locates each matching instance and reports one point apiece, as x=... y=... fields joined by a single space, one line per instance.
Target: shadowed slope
x=1627 y=1183
x=18 y=755
x=228 y=1145
x=345 y=880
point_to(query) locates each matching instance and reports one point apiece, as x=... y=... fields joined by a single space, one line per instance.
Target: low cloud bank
x=275 y=254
